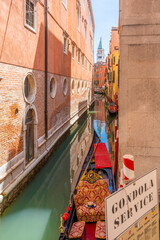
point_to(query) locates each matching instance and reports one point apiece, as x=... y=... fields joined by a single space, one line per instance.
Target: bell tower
x=100 y=52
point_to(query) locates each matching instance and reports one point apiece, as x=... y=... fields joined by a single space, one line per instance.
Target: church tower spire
x=100 y=52
x=100 y=44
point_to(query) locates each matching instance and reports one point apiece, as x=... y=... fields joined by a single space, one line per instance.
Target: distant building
x=46 y=79
x=100 y=52
x=100 y=74
x=113 y=64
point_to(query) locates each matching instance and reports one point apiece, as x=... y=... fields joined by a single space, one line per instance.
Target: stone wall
x=139 y=90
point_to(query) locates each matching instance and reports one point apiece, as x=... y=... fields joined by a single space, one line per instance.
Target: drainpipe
x=46 y=70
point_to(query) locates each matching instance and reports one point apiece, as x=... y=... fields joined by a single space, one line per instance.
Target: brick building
x=46 y=68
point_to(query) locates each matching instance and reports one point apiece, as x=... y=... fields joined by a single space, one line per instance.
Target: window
x=53 y=87
x=78 y=87
x=65 y=86
x=73 y=86
x=113 y=76
x=86 y=64
x=108 y=76
x=109 y=63
x=30 y=14
x=29 y=137
x=78 y=56
x=82 y=86
x=73 y=51
x=29 y=88
x=85 y=32
x=82 y=59
x=64 y=3
x=114 y=60
x=65 y=45
x=78 y=160
x=78 y=16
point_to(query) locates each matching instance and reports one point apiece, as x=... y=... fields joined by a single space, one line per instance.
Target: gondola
x=95 y=181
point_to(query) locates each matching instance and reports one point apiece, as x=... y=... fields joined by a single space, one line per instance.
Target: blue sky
x=106 y=13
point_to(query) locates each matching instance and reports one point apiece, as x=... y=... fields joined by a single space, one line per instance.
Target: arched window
x=78 y=87
x=29 y=137
x=73 y=86
x=82 y=86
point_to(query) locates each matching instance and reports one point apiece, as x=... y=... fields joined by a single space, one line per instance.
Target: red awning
x=102 y=159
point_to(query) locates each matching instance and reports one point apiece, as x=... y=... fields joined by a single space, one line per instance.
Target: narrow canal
x=35 y=215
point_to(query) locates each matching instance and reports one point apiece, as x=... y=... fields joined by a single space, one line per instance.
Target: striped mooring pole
x=128 y=168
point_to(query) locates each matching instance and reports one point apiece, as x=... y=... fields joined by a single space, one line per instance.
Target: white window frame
x=65 y=86
x=65 y=47
x=64 y=3
x=54 y=90
x=33 y=89
x=33 y=29
x=73 y=51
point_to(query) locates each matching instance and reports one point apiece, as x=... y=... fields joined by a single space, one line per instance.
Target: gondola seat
x=100 y=232
x=77 y=231
x=95 y=193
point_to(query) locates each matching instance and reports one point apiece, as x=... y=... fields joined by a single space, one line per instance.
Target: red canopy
x=102 y=159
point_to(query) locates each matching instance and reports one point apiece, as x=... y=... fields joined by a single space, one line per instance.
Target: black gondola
x=88 y=166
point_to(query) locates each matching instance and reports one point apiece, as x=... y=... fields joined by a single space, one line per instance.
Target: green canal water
x=35 y=215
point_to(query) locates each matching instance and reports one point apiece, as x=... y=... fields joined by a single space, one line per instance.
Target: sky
x=106 y=13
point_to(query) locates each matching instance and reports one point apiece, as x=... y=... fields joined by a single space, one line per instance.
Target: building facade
x=113 y=64
x=139 y=89
x=113 y=75
x=46 y=79
x=100 y=74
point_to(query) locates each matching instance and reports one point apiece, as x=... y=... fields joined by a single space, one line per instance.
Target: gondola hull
x=88 y=166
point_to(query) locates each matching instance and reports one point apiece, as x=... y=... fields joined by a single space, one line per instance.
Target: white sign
x=124 y=207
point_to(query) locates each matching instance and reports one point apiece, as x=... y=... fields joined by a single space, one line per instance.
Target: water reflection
x=79 y=149
x=35 y=215
x=104 y=125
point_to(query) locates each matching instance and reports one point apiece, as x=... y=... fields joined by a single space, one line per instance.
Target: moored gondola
x=85 y=214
